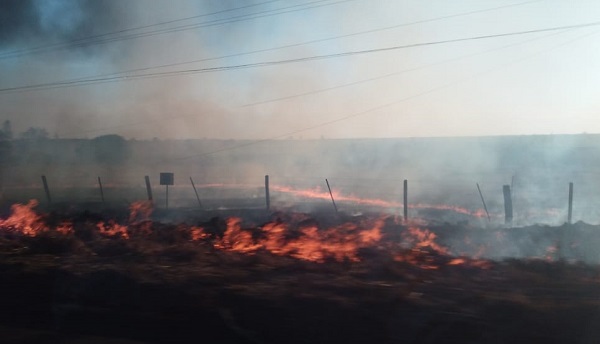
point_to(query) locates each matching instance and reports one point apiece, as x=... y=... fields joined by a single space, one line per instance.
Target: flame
x=299 y=236
x=113 y=229
x=140 y=211
x=457 y=261
x=552 y=252
x=24 y=219
x=313 y=244
x=235 y=239
x=422 y=248
x=65 y=228
x=423 y=238
x=198 y=233
x=317 y=193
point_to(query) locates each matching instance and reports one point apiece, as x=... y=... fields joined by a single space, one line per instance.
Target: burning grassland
x=290 y=277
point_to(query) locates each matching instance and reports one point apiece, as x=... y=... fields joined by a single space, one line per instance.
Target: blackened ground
x=163 y=288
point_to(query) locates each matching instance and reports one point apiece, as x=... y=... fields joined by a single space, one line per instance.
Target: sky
x=228 y=69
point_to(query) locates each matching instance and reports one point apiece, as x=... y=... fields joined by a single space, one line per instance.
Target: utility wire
x=357 y=82
x=308 y=42
x=89 y=38
x=250 y=16
x=145 y=122
x=279 y=62
x=387 y=105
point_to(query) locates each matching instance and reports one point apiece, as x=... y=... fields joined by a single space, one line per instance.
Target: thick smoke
x=33 y=22
x=439 y=171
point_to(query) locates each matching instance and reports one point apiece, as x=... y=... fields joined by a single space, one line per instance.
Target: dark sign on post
x=166 y=178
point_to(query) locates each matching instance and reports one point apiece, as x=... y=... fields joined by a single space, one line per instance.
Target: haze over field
x=541 y=82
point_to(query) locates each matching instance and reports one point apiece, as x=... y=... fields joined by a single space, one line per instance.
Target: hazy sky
x=538 y=83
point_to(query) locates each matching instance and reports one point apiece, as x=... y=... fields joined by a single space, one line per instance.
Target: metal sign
x=166 y=178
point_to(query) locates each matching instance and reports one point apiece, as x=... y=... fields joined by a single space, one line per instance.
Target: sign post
x=167 y=178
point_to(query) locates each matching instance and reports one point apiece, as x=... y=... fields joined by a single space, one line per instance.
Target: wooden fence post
x=46 y=189
x=508 y=208
x=101 y=190
x=570 y=216
x=267 y=194
x=405 y=200
x=331 y=194
x=196 y=192
x=148 y=188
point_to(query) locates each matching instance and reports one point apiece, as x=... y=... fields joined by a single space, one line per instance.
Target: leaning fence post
x=196 y=192
x=46 y=189
x=483 y=201
x=101 y=190
x=331 y=194
x=148 y=188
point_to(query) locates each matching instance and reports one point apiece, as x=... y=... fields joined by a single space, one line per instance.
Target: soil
x=161 y=287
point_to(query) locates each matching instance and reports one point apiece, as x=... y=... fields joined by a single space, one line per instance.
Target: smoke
x=57 y=40
x=210 y=105
x=36 y=22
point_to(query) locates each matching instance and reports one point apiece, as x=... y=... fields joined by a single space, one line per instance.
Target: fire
x=66 y=227
x=422 y=239
x=113 y=229
x=139 y=217
x=298 y=236
x=317 y=193
x=457 y=261
x=236 y=239
x=552 y=252
x=309 y=242
x=140 y=211
x=24 y=219
x=422 y=250
x=198 y=233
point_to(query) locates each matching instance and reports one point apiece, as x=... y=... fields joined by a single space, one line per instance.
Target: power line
x=145 y=122
x=83 y=39
x=389 y=104
x=278 y=62
x=285 y=46
x=357 y=82
x=308 y=42
x=99 y=40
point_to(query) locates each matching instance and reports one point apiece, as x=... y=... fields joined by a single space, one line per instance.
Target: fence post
x=570 y=216
x=508 y=208
x=405 y=200
x=46 y=189
x=148 y=188
x=101 y=190
x=267 y=194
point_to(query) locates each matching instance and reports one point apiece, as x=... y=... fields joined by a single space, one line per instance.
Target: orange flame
x=65 y=228
x=423 y=245
x=339 y=243
x=24 y=219
x=424 y=239
x=317 y=193
x=140 y=211
x=198 y=233
x=113 y=229
x=235 y=239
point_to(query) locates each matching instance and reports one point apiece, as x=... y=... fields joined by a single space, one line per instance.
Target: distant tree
x=34 y=133
x=109 y=149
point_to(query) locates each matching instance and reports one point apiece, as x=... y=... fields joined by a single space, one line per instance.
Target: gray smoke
x=26 y=23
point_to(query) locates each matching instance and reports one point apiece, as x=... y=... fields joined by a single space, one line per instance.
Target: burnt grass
x=161 y=287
